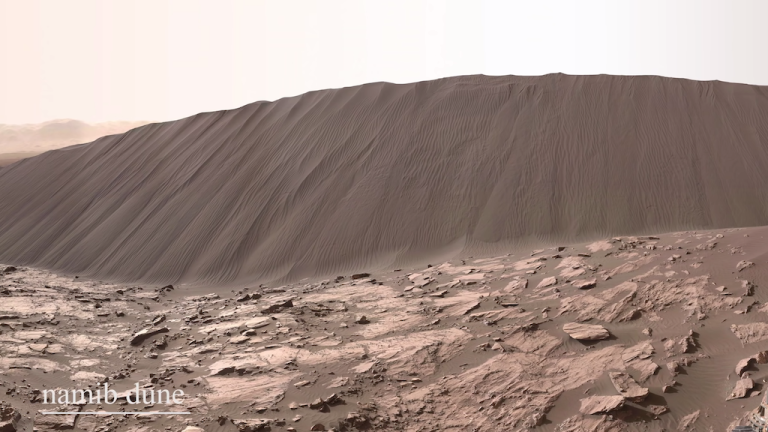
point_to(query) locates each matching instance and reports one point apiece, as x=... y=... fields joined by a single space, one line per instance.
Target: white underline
x=109 y=413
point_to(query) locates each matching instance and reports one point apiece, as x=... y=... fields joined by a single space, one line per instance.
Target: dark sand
x=383 y=175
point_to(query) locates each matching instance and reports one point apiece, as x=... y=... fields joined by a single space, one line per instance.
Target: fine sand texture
x=381 y=175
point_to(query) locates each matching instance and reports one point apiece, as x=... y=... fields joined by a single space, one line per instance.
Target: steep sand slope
x=379 y=174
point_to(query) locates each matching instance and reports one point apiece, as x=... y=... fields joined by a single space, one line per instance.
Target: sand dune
x=384 y=174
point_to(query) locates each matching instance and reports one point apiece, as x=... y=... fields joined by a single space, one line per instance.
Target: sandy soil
x=381 y=176
x=668 y=326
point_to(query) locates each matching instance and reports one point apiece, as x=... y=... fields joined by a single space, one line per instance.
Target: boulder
x=742 y=389
x=674 y=368
x=744 y=364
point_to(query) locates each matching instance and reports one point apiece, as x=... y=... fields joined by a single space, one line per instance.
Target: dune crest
x=378 y=174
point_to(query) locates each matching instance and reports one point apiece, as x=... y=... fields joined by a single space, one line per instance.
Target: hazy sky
x=99 y=60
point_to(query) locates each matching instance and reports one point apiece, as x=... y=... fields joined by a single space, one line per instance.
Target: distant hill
x=22 y=141
x=382 y=175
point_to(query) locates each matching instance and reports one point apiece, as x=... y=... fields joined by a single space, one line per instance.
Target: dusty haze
x=22 y=141
x=380 y=174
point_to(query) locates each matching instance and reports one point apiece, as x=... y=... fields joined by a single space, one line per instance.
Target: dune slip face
x=381 y=174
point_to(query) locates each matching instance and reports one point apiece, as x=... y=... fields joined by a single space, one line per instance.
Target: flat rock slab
x=547 y=282
x=585 y=284
x=628 y=387
x=258 y=322
x=45 y=422
x=252 y=425
x=147 y=333
x=586 y=331
x=750 y=333
x=601 y=404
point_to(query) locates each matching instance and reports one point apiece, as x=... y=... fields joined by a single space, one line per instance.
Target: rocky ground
x=630 y=333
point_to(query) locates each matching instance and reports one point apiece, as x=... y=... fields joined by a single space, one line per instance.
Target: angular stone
x=657 y=409
x=688 y=421
x=674 y=368
x=742 y=389
x=744 y=364
x=749 y=288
